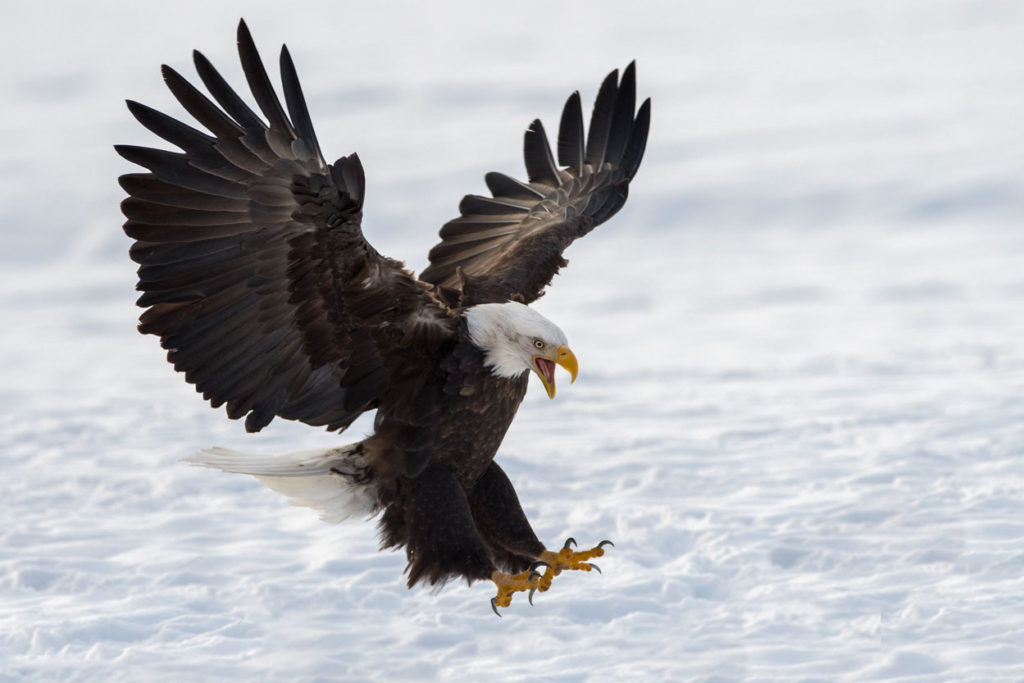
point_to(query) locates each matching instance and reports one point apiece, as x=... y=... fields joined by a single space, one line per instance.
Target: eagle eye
x=539 y=343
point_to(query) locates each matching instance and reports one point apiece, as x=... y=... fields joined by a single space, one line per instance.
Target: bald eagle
x=256 y=276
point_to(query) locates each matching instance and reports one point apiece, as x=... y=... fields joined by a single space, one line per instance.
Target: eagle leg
x=501 y=522
x=515 y=583
x=430 y=516
x=567 y=558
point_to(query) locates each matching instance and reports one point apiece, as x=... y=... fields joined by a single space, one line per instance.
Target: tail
x=336 y=482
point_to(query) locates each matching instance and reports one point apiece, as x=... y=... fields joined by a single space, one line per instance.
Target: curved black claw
x=534 y=574
x=595 y=567
x=530 y=596
x=494 y=606
x=604 y=543
x=569 y=543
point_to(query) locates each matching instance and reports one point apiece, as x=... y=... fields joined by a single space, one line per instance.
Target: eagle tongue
x=547 y=368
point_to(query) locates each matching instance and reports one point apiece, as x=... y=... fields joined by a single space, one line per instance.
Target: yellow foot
x=567 y=558
x=514 y=583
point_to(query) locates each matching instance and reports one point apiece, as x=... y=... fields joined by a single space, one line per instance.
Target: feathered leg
x=430 y=516
x=503 y=525
x=502 y=522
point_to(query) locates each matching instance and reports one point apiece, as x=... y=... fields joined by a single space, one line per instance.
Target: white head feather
x=507 y=333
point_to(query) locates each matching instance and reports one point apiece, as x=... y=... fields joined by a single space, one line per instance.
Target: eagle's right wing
x=252 y=262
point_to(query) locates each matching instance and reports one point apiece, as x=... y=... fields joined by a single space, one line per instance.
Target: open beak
x=544 y=366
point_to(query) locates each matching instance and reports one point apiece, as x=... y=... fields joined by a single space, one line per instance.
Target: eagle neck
x=492 y=329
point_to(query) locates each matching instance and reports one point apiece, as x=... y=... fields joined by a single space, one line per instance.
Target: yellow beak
x=544 y=366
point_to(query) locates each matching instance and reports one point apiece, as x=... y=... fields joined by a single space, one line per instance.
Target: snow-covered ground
x=800 y=414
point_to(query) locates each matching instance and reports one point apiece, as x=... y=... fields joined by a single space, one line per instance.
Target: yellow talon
x=554 y=563
x=567 y=558
x=512 y=583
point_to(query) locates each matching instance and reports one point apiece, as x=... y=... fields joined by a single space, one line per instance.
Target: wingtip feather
x=242 y=33
x=540 y=164
x=571 y=148
x=601 y=119
x=621 y=124
x=634 y=152
x=298 y=110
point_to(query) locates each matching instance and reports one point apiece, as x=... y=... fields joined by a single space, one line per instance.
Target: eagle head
x=515 y=338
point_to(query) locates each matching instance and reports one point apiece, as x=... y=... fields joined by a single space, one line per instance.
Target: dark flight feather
x=601 y=120
x=199 y=106
x=233 y=105
x=261 y=87
x=297 y=105
x=502 y=185
x=147 y=187
x=622 y=119
x=634 y=152
x=540 y=165
x=570 y=135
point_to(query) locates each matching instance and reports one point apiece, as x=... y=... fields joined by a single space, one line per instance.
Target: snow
x=799 y=410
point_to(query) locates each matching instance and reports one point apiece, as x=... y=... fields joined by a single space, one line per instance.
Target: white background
x=800 y=414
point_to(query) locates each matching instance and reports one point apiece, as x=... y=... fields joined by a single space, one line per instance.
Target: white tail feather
x=332 y=481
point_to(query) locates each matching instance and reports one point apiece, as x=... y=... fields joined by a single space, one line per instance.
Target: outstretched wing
x=252 y=263
x=509 y=246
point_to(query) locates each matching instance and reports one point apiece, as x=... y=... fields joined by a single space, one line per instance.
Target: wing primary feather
x=199 y=106
x=170 y=129
x=458 y=229
x=475 y=204
x=174 y=168
x=446 y=254
x=259 y=82
x=622 y=119
x=477 y=233
x=146 y=186
x=198 y=145
x=502 y=219
x=296 y=102
x=601 y=120
x=157 y=214
x=634 y=152
x=540 y=165
x=225 y=95
x=502 y=185
x=570 y=134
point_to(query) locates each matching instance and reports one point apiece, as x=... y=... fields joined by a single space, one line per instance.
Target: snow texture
x=800 y=412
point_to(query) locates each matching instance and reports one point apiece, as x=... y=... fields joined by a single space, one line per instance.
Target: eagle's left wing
x=509 y=246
